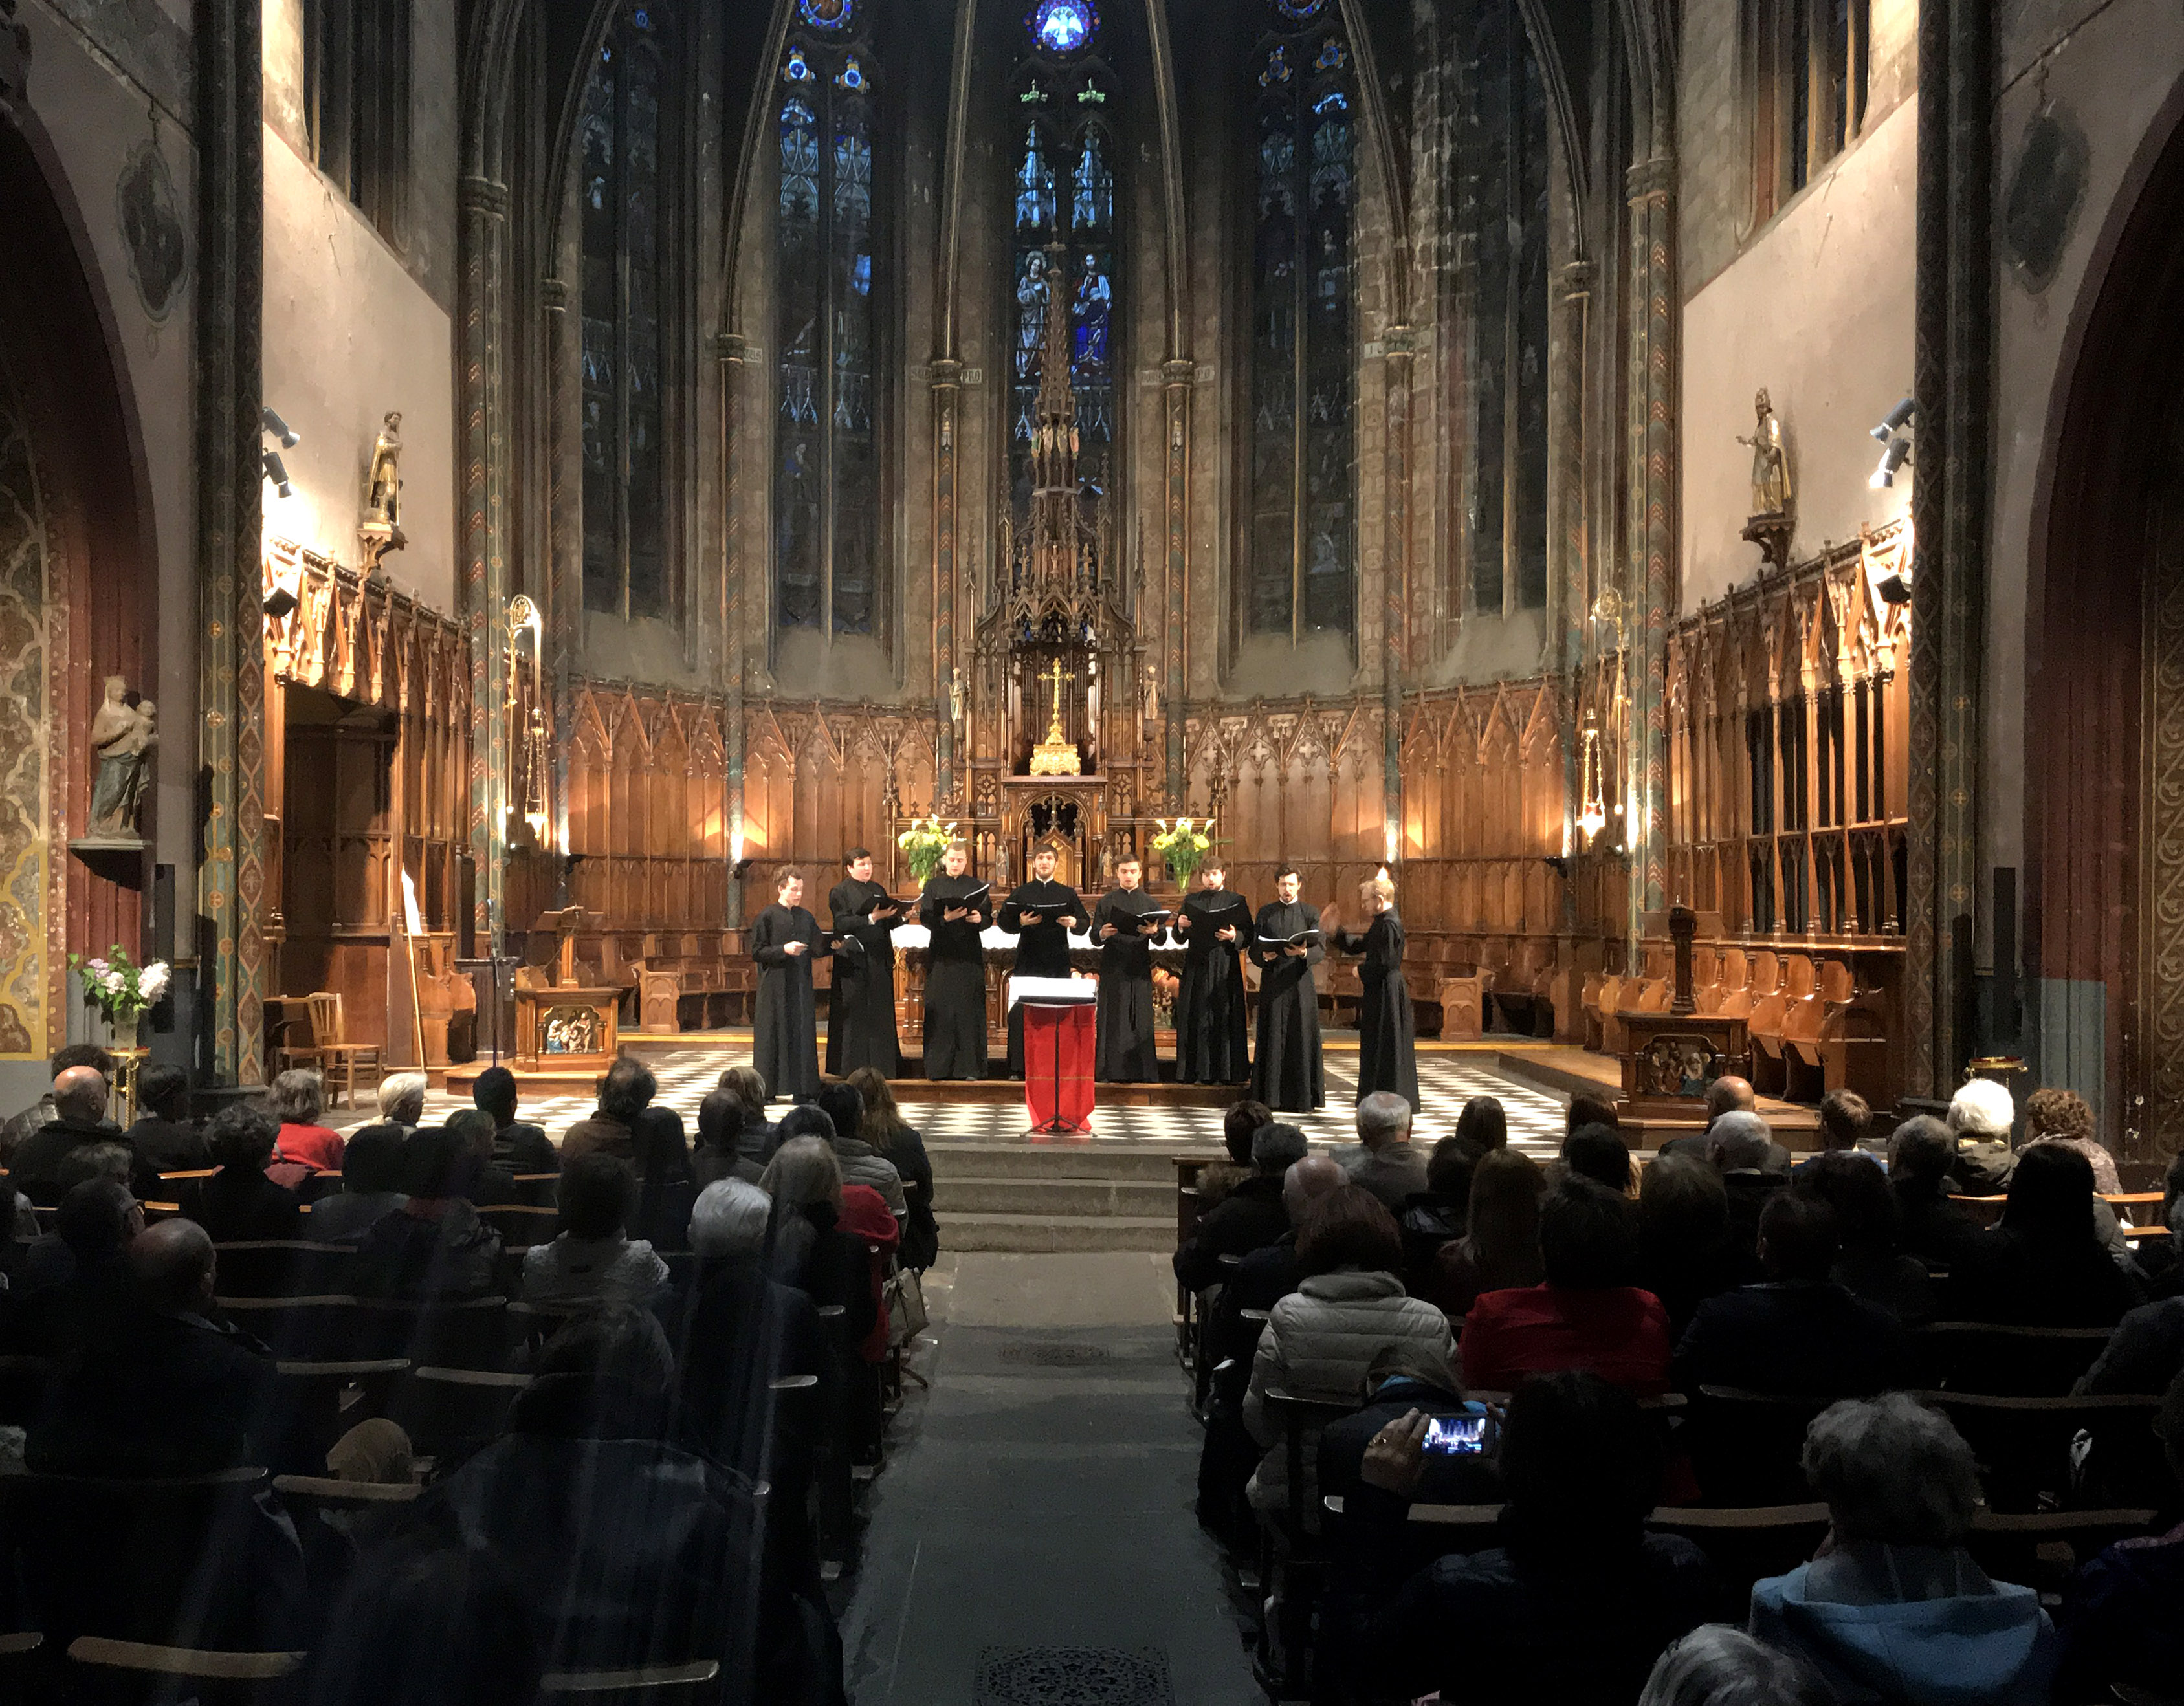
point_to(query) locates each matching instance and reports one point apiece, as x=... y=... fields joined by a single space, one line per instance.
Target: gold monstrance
x=1056 y=756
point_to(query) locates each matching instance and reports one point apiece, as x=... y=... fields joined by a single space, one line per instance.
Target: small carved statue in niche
x=382 y=531
x=123 y=735
x=1770 y=462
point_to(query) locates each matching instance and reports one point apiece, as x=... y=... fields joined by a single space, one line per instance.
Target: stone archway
x=2104 y=711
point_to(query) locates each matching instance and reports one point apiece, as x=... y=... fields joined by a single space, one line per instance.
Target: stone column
x=734 y=350
x=947 y=398
x=564 y=579
x=1176 y=379
x=1568 y=607
x=1399 y=344
x=482 y=586
x=230 y=545
x=1653 y=539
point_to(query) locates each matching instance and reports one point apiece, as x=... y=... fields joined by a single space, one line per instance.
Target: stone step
x=1056 y=1196
x=1039 y=1234
x=1146 y=1162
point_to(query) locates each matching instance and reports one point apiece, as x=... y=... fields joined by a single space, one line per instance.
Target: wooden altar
x=559 y=1023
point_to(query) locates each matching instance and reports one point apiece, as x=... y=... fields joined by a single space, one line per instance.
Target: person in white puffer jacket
x=1320 y=1341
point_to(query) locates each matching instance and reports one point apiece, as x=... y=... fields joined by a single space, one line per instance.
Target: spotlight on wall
x=1898 y=453
x=277 y=471
x=1896 y=420
x=269 y=420
x=279 y=602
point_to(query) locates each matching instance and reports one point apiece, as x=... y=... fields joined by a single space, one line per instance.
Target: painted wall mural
x=24 y=984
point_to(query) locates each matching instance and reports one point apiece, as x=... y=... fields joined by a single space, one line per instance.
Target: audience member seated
x=844 y=1105
x=372 y=1187
x=402 y=1100
x=625 y=1092
x=667 y=1186
x=1239 y=1122
x=1249 y=1217
x=761 y=1137
x=299 y=1097
x=2119 y=1617
x=426 y=1623
x=165 y=1135
x=1719 y=1665
x=2062 y=1116
x=1483 y=1123
x=631 y=1551
x=1937 y=1231
x=1754 y=1168
x=1685 y=1253
x=79 y=1118
x=720 y=1152
x=1226 y=1341
x=1981 y=1115
x=1348 y=1307
x=1437 y=1214
x=1872 y=1264
x=593 y=1258
x=1402 y=1381
x=163 y=1388
x=902 y=1145
x=479 y=1179
x=77 y=1277
x=2144 y=1355
x=517 y=1147
x=433 y=1248
x=2044 y=1265
x=1599 y=1154
x=1729 y=1094
x=1383 y=1160
x=1588 y=1314
x=239 y=1204
x=1797 y=1333
x=43 y=1112
x=1574 y=1606
x=1894 y=1608
x=1500 y=1247
x=1590 y=1110
x=810 y=1249
x=1845 y=1121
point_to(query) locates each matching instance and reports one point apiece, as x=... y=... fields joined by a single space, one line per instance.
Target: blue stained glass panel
x=1063 y=26
x=832 y=15
x=1035 y=186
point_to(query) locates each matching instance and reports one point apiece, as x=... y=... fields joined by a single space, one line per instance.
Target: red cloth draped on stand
x=1059 y=1044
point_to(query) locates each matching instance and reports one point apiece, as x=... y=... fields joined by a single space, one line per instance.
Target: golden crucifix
x=1056 y=756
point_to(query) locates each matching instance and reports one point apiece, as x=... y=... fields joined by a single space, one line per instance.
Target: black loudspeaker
x=2007 y=1027
x=163 y=912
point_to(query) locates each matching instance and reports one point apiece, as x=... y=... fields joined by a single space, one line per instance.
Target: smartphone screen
x=1455 y=1436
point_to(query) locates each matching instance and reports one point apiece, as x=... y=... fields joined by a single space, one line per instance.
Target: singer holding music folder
x=1128 y=924
x=1285 y=946
x=785 y=939
x=955 y=908
x=861 y=1011
x=1041 y=914
x=1211 y=1036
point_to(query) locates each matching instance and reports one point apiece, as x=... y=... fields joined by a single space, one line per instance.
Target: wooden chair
x=2024 y=1444
x=2022 y=1546
x=304 y=1329
x=2008 y=1361
x=315 y=1402
x=449 y=1413
x=474 y=1333
x=210 y=1675
x=1745 y=1543
x=1747 y=1447
x=650 y=1683
x=282 y=1267
x=339 y=1060
x=521 y=1224
x=1293 y=1560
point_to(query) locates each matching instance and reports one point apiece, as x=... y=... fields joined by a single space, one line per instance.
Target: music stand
x=1051 y=1005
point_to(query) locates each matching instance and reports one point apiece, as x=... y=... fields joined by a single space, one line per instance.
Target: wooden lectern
x=1671 y=1059
x=564 y=1025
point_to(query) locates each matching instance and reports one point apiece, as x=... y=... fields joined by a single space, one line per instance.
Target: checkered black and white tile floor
x=1446 y=1081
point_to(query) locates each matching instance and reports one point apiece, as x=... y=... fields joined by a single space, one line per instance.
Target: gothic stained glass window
x=825 y=479
x=1301 y=570
x=1063 y=186
x=624 y=471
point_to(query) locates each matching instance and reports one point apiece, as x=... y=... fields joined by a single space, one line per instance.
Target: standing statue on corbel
x=1771 y=521
x=382 y=529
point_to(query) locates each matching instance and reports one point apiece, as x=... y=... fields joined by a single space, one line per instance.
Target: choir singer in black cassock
x=1211 y=1040
x=954 y=908
x=785 y=939
x=1126 y=937
x=860 y=1013
x=1041 y=914
x=1286 y=1071
x=1386 y=1056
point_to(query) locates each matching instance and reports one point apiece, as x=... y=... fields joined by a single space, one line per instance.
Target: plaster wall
x=349 y=334
x=1819 y=310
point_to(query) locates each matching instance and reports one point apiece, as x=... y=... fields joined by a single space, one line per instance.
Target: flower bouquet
x=925 y=843
x=1166 y=986
x=1183 y=845
x=120 y=989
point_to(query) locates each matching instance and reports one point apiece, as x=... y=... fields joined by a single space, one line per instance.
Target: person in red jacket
x=1586 y=1316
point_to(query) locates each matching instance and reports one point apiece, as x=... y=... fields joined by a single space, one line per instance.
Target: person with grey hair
x=1981 y=1115
x=1894 y=1608
x=1719 y=1665
x=1384 y=1161
x=728 y=1221
x=402 y=1100
x=299 y=1098
x=811 y=1251
x=1249 y=1217
x=1754 y=1168
x=1938 y=1231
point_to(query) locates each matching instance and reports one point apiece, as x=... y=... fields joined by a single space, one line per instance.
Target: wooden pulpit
x=562 y=1025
